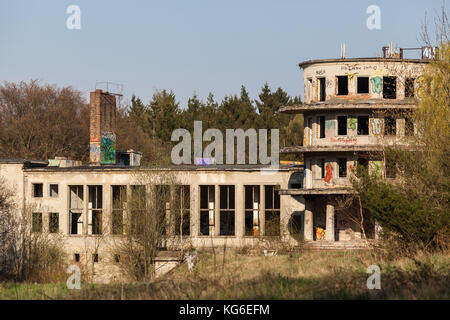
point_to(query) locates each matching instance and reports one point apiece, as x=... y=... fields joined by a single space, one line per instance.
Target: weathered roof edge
x=306 y=63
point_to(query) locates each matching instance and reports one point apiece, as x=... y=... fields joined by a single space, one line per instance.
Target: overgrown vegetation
x=26 y=255
x=308 y=275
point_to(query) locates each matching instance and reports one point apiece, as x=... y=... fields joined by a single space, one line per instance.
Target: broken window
x=36 y=222
x=322 y=89
x=342 y=125
x=119 y=202
x=227 y=210
x=409 y=127
x=116 y=258
x=38 y=190
x=272 y=211
x=76 y=257
x=363 y=85
x=182 y=210
x=389 y=87
x=162 y=201
x=321 y=127
x=409 y=88
x=321 y=174
x=138 y=207
x=363 y=125
x=76 y=210
x=342 y=85
x=342 y=162
x=95 y=209
x=95 y=257
x=53 y=222
x=251 y=210
x=53 y=190
x=364 y=163
x=390 y=127
x=207 y=206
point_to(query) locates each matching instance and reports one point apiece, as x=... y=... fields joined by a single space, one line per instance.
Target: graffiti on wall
x=108 y=148
x=376 y=84
x=329 y=173
x=351 y=123
x=94 y=150
x=377 y=167
x=376 y=126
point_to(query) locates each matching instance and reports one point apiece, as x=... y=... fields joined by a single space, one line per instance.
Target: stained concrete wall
x=375 y=69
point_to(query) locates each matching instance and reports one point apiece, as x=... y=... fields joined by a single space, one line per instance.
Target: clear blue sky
x=193 y=45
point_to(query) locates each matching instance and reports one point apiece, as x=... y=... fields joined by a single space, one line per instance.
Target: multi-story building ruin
x=352 y=109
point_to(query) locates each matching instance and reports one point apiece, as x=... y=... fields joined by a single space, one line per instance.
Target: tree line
x=40 y=122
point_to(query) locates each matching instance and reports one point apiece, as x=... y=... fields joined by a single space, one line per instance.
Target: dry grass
x=311 y=275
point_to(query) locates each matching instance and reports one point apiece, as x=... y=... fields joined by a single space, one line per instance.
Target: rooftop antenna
x=113 y=88
x=343 y=50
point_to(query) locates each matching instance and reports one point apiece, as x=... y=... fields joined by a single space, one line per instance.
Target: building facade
x=353 y=109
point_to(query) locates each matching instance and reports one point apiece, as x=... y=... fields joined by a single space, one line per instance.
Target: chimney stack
x=102 y=128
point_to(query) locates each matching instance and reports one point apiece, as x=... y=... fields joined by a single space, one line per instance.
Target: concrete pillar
x=216 y=211
x=330 y=223
x=195 y=210
x=378 y=229
x=239 y=211
x=262 y=213
x=308 y=226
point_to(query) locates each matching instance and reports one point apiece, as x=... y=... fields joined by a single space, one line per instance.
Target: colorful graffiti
x=108 y=148
x=94 y=151
x=377 y=167
x=376 y=125
x=329 y=173
x=351 y=123
x=320 y=233
x=377 y=84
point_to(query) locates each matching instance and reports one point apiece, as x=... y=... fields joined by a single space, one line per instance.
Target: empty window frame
x=322 y=89
x=251 y=210
x=227 y=210
x=321 y=122
x=53 y=190
x=207 y=207
x=362 y=85
x=364 y=163
x=409 y=88
x=182 y=210
x=320 y=169
x=390 y=126
x=95 y=209
x=342 y=87
x=272 y=211
x=409 y=127
x=76 y=257
x=95 y=257
x=119 y=195
x=161 y=196
x=38 y=190
x=36 y=223
x=342 y=163
x=390 y=168
x=53 y=222
x=138 y=207
x=363 y=125
x=76 y=204
x=389 y=87
x=342 y=125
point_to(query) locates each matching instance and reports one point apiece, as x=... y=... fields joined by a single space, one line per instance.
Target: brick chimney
x=102 y=128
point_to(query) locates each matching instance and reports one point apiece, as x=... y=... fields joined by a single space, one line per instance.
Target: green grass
x=310 y=275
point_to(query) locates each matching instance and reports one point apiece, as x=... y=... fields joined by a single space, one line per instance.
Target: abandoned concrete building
x=347 y=104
